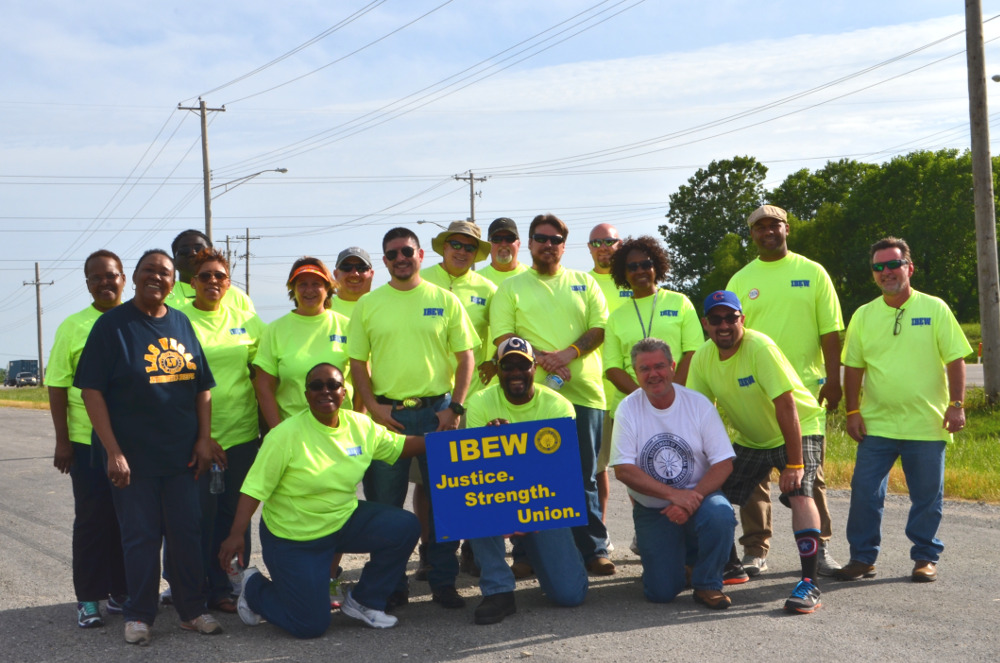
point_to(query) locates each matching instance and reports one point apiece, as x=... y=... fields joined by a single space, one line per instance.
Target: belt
x=412 y=403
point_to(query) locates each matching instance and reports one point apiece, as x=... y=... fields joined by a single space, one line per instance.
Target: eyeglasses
x=888 y=264
x=458 y=246
x=320 y=385
x=100 y=278
x=407 y=252
x=607 y=241
x=205 y=277
x=556 y=240
x=642 y=264
x=503 y=239
x=358 y=267
x=898 y=326
x=716 y=320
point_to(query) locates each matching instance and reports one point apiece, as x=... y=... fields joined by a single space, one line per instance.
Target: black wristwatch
x=457 y=408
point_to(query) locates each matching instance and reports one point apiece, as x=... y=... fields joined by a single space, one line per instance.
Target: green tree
x=803 y=192
x=714 y=203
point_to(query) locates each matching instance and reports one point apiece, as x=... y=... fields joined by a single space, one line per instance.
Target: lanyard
x=652 y=313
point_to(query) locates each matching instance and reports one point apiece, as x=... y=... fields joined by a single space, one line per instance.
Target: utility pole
x=472 y=192
x=982 y=183
x=38 y=317
x=229 y=257
x=206 y=172
x=246 y=257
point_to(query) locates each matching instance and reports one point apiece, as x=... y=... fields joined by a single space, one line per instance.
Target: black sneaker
x=495 y=607
x=734 y=574
x=448 y=597
x=804 y=598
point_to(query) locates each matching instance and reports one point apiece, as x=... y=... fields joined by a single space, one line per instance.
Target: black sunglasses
x=556 y=240
x=503 y=239
x=642 y=264
x=888 y=264
x=358 y=267
x=407 y=252
x=457 y=245
x=320 y=385
x=716 y=320
x=205 y=277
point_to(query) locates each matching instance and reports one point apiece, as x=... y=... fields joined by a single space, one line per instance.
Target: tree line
x=834 y=215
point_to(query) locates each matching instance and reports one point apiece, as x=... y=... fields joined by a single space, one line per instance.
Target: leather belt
x=412 y=403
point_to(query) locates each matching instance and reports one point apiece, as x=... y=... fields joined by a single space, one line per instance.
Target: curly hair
x=208 y=255
x=315 y=262
x=645 y=244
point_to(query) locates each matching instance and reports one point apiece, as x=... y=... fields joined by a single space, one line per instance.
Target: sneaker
x=804 y=598
x=424 y=567
x=116 y=604
x=247 y=616
x=166 y=597
x=522 y=570
x=88 y=614
x=601 y=566
x=370 y=616
x=495 y=607
x=855 y=570
x=610 y=547
x=448 y=597
x=734 y=574
x=754 y=566
x=137 y=633
x=634 y=546
x=826 y=564
x=712 y=598
x=336 y=593
x=205 y=624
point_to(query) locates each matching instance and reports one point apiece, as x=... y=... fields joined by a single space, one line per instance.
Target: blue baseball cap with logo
x=515 y=346
x=722 y=298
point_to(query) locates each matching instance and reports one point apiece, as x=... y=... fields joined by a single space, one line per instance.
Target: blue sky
x=90 y=94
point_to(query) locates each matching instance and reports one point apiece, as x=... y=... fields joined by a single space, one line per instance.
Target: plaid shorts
x=752 y=466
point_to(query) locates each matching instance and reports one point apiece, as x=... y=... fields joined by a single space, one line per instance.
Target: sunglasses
x=515 y=364
x=607 y=241
x=556 y=240
x=358 y=267
x=503 y=239
x=206 y=277
x=407 y=252
x=716 y=320
x=888 y=264
x=642 y=264
x=320 y=385
x=458 y=246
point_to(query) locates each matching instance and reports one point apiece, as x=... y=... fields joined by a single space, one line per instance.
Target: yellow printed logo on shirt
x=169 y=359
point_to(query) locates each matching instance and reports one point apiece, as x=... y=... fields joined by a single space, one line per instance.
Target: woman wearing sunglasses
x=229 y=338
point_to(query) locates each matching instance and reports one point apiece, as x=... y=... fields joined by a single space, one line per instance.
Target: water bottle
x=235 y=574
x=553 y=381
x=217 y=482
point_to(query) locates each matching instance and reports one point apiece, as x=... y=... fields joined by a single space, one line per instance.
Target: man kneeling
x=671 y=449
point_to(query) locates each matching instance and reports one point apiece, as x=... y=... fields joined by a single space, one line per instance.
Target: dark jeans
x=297 y=597
x=98 y=563
x=149 y=510
x=218 y=512
x=591 y=539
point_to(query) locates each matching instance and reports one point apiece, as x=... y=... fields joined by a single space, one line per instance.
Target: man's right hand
x=689 y=500
x=382 y=414
x=119 y=473
x=856 y=426
x=63 y=457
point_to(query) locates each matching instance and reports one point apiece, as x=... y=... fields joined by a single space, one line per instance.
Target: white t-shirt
x=675 y=446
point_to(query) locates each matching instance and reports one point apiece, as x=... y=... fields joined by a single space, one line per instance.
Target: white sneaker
x=371 y=616
x=205 y=624
x=247 y=615
x=754 y=566
x=826 y=564
x=137 y=633
x=166 y=597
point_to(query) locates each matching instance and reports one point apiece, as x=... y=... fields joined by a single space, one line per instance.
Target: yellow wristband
x=795 y=467
x=853 y=412
x=578 y=353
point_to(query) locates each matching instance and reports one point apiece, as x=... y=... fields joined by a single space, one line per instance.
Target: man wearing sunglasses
x=778 y=424
x=562 y=313
x=505 y=242
x=790 y=299
x=552 y=553
x=412 y=345
x=910 y=351
x=185 y=247
x=353 y=274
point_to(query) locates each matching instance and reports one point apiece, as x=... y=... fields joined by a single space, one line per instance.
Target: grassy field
x=33 y=398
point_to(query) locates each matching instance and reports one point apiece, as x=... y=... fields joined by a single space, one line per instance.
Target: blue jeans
x=151 y=509
x=552 y=554
x=664 y=545
x=297 y=597
x=591 y=539
x=923 y=466
x=98 y=563
x=387 y=484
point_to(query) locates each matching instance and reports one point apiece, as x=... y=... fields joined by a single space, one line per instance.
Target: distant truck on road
x=18 y=366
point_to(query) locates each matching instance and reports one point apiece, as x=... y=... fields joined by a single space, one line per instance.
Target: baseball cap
x=722 y=298
x=515 y=345
x=467 y=228
x=354 y=252
x=767 y=212
x=503 y=223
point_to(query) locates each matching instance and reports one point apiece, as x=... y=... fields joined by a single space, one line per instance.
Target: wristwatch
x=958 y=404
x=457 y=408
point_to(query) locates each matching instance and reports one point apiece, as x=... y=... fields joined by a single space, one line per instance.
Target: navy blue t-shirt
x=150 y=371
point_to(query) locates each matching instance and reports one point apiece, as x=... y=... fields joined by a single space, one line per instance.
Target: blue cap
x=722 y=298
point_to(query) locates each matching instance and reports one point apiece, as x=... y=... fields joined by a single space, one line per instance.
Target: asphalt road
x=889 y=618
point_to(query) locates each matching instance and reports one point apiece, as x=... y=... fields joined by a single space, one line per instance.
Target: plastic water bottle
x=217 y=482
x=553 y=381
x=235 y=573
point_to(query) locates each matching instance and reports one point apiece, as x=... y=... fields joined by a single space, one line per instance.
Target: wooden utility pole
x=246 y=258
x=982 y=182
x=206 y=172
x=38 y=318
x=472 y=192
